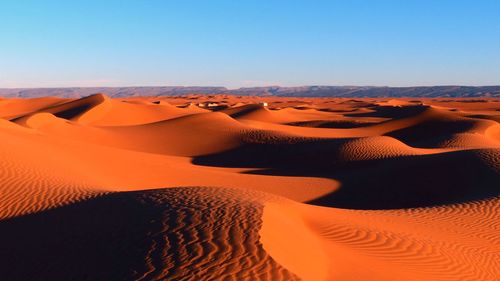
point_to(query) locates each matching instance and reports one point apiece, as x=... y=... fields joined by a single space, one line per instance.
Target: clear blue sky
x=249 y=43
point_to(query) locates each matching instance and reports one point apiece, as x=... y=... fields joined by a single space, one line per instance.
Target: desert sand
x=222 y=187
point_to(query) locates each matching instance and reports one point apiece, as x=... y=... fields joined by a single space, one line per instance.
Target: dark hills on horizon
x=302 y=91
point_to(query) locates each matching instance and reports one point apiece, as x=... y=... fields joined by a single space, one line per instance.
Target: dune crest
x=300 y=250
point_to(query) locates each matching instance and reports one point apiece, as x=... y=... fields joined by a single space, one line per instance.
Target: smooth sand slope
x=249 y=188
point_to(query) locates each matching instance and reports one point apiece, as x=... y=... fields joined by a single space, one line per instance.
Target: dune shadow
x=73 y=111
x=394 y=112
x=167 y=234
x=409 y=182
x=75 y=242
x=338 y=124
x=428 y=134
x=273 y=155
x=389 y=183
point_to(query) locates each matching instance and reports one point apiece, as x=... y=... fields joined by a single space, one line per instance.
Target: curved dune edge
x=40 y=172
x=84 y=110
x=38 y=120
x=258 y=112
x=14 y=108
x=291 y=243
x=102 y=106
x=206 y=233
x=129 y=113
x=493 y=133
x=446 y=242
x=184 y=233
x=11 y=126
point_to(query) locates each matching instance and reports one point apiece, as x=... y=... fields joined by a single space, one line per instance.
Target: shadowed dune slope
x=192 y=233
x=375 y=174
x=414 y=181
x=12 y=108
x=100 y=110
x=184 y=136
x=41 y=171
x=441 y=129
x=84 y=110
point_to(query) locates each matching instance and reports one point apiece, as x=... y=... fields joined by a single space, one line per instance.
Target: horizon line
x=266 y=86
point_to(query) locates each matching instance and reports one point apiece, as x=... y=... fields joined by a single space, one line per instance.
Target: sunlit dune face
x=222 y=187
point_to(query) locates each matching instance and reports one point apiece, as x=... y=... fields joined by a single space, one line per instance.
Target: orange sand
x=249 y=188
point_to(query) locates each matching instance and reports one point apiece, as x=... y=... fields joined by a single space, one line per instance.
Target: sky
x=249 y=43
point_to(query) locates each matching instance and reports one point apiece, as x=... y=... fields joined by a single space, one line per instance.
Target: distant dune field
x=224 y=187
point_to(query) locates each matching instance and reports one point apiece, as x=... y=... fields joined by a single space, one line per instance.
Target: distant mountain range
x=303 y=91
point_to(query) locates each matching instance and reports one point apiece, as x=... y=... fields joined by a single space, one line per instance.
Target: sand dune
x=99 y=110
x=35 y=177
x=192 y=233
x=258 y=112
x=439 y=243
x=84 y=110
x=12 y=108
x=249 y=188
